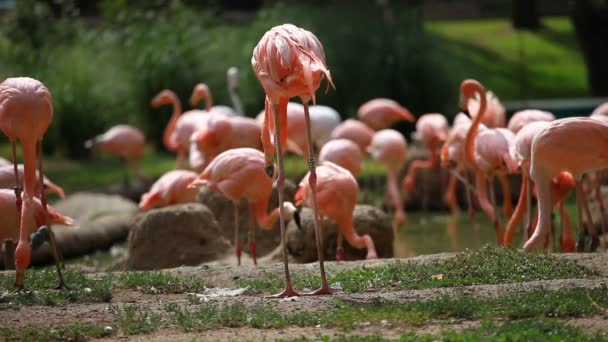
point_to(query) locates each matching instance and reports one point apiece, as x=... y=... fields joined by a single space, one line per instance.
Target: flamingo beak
x=463 y=104
x=54 y=189
x=195 y=98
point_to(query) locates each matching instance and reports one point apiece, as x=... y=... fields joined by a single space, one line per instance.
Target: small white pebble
x=108 y=329
x=87 y=290
x=384 y=322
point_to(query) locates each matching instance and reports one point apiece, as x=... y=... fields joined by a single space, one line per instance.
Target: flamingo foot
x=287 y=292
x=323 y=290
x=399 y=218
x=20 y=282
x=340 y=254
x=533 y=242
x=61 y=285
x=371 y=255
x=252 y=251
x=239 y=250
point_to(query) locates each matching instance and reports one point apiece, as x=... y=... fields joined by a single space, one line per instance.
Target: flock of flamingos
x=236 y=155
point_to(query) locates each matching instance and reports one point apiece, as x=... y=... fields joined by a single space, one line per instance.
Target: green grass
x=74 y=332
x=489 y=50
x=489 y=265
x=531 y=330
x=155 y=282
x=135 y=319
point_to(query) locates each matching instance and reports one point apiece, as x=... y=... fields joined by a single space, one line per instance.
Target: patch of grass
x=74 y=332
x=135 y=319
x=488 y=265
x=154 y=282
x=274 y=284
x=41 y=283
x=531 y=330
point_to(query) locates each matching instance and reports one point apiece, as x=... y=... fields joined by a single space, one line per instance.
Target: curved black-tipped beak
x=269 y=169
x=296 y=218
x=39 y=237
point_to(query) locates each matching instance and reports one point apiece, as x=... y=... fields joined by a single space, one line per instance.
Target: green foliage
x=73 y=332
x=154 y=282
x=135 y=319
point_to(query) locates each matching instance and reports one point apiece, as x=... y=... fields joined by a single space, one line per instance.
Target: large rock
x=223 y=210
x=369 y=220
x=185 y=234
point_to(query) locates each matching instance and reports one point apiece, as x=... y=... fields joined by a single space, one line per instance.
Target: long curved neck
x=236 y=101
x=472 y=133
x=265 y=220
x=177 y=111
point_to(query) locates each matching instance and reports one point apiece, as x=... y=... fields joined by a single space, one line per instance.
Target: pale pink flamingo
x=601 y=110
x=223 y=133
x=124 y=141
x=494 y=115
x=9 y=224
x=239 y=174
x=202 y=92
x=171 y=188
x=524 y=117
x=26 y=111
x=574 y=145
x=4 y=162
x=389 y=148
x=432 y=130
x=355 y=131
x=382 y=113
x=166 y=97
x=337 y=192
x=7 y=180
x=290 y=62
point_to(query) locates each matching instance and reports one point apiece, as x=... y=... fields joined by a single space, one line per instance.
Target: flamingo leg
x=600 y=201
x=496 y=218
x=340 y=247
x=288 y=291
x=450 y=195
x=515 y=219
x=507 y=202
x=470 y=208
x=52 y=240
x=9 y=254
x=528 y=220
x=312 y=181
x=395 y=196
x=567 y=242
x=410 y=178
x=125 y=174
x=590 y=226
x=251 y=235
x=237 y=242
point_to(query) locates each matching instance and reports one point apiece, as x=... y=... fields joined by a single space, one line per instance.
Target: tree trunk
x=526 y=15
x=590 y=19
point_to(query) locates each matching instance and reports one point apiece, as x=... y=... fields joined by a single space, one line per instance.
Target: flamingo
x=390 y=149
x=488 y=154
x=10 y=221
x=494 y=113
x=239 y=174
x=355 y=131
x=124 y=141
x=232 y=75
x=432 y=129
x=223 y=133
x=601 y=110
x=337 y=192
x=290 y=62
x=166 y=97
x=26 y=111
x=4 y=162
x=575 y=145
x=202 y=92
x=171 y=188
x=344 y=153
x=382 y=113
x=7 y=180
x=524 y=117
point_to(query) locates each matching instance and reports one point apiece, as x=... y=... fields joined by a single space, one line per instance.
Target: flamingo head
x=200 y=92
x=468 y=90
x=165 y=97
x=233 y=78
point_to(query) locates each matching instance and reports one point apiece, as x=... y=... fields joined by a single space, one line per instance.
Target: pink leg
x=312 y=181
x=600 y=201
x=340 y=247
x=251 y=235
x=450 y=195
x=395 y=196
x=507 y=202
x=237 y=242
x=288 y=291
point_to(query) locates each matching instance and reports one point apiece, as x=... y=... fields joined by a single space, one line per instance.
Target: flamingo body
x=344 y=153
x=355 y=131
x=171 y=188
x=382 y=113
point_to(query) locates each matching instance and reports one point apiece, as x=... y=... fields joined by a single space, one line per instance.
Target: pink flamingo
x=601 y=110
x=25 y=114
x=390 y=149
x=166 y=97
x=355 y=131
x=344 y=153
x=239 y=174
x=4 y=162
x=488 y=154
x=337 y=192
x=7 y=180
x=10 y=221
x=124 y=141
x=494 y=113
x=223 y=133
x=524 y=117
x=575 y=145
x=290 y=62
x=382 y=113
x=202 y=92
x=171 y=188
x=432 y=129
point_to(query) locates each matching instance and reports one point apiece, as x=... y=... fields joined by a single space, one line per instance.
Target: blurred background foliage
x=105 y=69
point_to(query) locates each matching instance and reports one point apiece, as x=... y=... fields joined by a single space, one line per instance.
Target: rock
x=133 y=191
x=368 y=220
x=185 y=234
x=223 y=210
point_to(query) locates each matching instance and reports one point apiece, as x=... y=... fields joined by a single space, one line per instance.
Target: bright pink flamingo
x=390 y=149
x=432 y=130
x=337 y=192
x=202 y=92
x=239 y=174
x=524 y=117
x=124 y=141
x=494 y=114
x=168 y=97
x=4 y=162
x=601 y=110
x=488 y=154
x=355 y=131
x=25 y=114
x=171 y=188
x=290 y=62
x=382 y=113
x=344 y=153
x=223 y=133
x=7 y=180
x=575 y=145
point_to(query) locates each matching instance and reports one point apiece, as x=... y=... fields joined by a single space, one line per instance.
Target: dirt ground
x=226 y=274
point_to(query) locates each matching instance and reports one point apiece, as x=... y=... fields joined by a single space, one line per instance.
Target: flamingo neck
x=265 y=220
x=177 y=111
x=472 y=133
x=29 y=186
